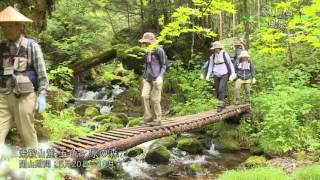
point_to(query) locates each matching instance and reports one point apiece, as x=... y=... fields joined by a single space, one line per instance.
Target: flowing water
x=103 y=98
x=212 y=162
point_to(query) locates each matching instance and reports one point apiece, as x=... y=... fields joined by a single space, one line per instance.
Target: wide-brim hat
x=216 y=45
x=10 y=14
x=244 y=54
x=148 y=37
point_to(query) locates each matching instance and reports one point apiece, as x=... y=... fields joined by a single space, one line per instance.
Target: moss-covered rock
x=158 y=155
x=228 y=144
x=112 y=118
x=135 y=121
x=119 y=106
x=134 y=152
x=109 y=126
x=91 y=111
x=81 y=108
x=123 y=117
x=191 y=145
x=255 y=161
x=58 y=98
x=168 y=142
x=300 y=156
x=194 y=169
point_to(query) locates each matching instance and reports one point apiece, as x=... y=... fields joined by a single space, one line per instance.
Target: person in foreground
x=245 y=75
x=155 y=68
x=23 y=79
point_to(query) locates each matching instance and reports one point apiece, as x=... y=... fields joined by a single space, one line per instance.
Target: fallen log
x=86 y=64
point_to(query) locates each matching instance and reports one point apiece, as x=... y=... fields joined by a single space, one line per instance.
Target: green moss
x=134 y=152
x=158 y=155
x=168 y=142
x=194 y=168
x=135 y=121
x=255 y=174
x=229 y=144
x=91 y=112
x=256 y=150
x=308 y=173
x=190 y=145
x=255 y=161
x=300 y=156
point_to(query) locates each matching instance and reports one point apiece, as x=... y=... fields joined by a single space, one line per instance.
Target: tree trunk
x=85 y=65
x=221 y=26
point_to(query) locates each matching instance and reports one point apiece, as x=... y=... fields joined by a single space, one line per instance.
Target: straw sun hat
x=10 y=14
x=216 y=45
x=148 y=37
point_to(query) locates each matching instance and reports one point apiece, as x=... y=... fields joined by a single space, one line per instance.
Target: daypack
x=206 y=65
x=165 y=59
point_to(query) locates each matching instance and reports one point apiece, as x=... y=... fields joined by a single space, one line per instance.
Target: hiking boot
x=154 y=123
x=219 y=109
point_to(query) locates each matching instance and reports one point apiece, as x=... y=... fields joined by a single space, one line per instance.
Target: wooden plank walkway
x=121 y=139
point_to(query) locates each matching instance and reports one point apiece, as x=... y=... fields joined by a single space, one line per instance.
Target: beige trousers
x=151 y=98
x=18 y=110
x=238 y=86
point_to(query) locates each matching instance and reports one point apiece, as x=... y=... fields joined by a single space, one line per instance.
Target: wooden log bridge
x=121 y=139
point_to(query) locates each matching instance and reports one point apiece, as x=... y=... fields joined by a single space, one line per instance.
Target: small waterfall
x=101 y=97
x=213 y=151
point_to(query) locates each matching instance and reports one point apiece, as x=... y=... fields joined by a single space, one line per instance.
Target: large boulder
x=190 y=145
x=158 y=155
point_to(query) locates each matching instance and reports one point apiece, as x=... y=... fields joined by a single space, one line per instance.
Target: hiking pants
x=151 y=97
x=238 y=86
x=19 y=110
x=220 y=84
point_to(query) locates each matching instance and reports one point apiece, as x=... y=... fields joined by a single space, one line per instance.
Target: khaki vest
x=13 y=76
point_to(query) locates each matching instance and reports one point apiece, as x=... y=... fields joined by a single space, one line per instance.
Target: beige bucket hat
x=10 y=14
x=216 y=45
x=244 y=54
x=148 y=37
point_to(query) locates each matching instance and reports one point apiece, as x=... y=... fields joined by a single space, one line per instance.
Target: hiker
x=246 y=74
x=238 y=48
x=155 y=67
x=220 y=69
x=23 y=78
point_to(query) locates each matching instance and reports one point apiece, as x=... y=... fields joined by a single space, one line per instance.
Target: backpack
x=165 y=59
x=206 y=65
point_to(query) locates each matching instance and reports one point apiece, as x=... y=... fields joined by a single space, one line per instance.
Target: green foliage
x=61 y=77
x=184 y=19
x=308 y=173
x=282 y=128
x=256 y=173
x=192 y=94
x=62 y=125
x=77 y=29
x=118 y=74
x=256 y=161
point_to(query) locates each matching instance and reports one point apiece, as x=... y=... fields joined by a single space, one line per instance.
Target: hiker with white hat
x=220 y=69
x=23 y=78
x=246 y=74
x=155 y=68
